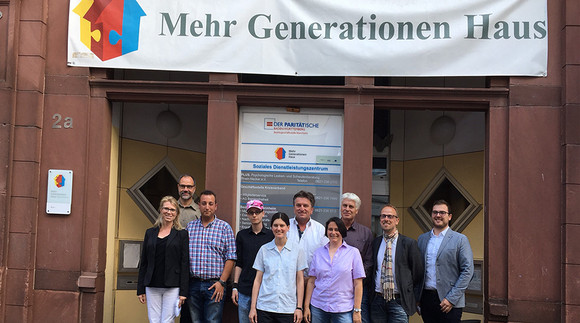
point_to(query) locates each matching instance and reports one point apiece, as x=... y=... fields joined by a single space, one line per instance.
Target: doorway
x=153 y=144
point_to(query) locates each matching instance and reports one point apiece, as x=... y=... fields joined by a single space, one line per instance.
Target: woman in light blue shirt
x=278 y=289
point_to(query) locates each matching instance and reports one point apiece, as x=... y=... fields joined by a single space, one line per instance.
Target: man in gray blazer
x=397 y=272
x=448 y=268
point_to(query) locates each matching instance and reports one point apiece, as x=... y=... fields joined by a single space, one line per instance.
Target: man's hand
x=235 y=296
x=253 y=315
x=218 y=292
x=182 y=300
x=356 y=317
x=297 y=316
x=446 y=306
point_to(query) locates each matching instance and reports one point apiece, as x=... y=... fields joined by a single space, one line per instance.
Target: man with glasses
x=397 y=273
x=248 y=242
x=448 y=268
x=188 y=209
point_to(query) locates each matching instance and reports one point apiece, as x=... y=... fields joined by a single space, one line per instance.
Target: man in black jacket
x=397 y=272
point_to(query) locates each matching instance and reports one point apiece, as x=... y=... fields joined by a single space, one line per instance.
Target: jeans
x=201 y=307
x=320 y=316
x=365 y=306
x=161 y=304
x=244 y=303
x=391 y=311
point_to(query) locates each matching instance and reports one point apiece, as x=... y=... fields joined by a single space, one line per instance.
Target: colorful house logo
x=110 y=28
x=280 y=153
x=59 y=181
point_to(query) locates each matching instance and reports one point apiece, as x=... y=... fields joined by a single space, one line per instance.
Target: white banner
x=313 y=37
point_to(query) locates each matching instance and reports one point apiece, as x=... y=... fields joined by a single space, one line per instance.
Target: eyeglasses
x=166 y=209
x=439 y=212
x=389 y=216
x=252 y=212
x=186 y=186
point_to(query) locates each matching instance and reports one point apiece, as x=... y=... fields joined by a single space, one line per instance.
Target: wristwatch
x=299 y=308
x=222 y=282
x=357 y=310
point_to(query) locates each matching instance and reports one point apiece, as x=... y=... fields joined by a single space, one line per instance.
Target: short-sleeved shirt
x=278 y=289
x=334 y=287
x=312 y=238
x=247 y=245
x=210 y=247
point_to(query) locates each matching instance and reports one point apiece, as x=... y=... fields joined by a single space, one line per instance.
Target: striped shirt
x=210 y=247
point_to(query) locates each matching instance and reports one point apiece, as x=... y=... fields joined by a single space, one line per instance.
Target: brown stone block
x=571 y=314
x=31 y=73
x=572 y=95
x=5 y=141
x=535 y=95
x=571 y=122
x=572 y=34
x=35 y=10
x=23 y=213
x=67 y=84
x=6 y=110
x=572 y=12
x=55 y=306
x=91 y=307
x=17 y=285
x=27 y=144
x=15 y=314
x=56 y=280
x=572 y=286
x=25 y=172
x=19 y=251
x=572 y=204
x=572 y=244
x=32 y=38
x=572 y=162
x=29 y=108
x=534 y=311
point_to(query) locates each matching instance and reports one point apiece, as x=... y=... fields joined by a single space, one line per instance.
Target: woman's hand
x=297 y=316
x=142 y=298
x=235 y=296
x=182 y=300
x=253 y=315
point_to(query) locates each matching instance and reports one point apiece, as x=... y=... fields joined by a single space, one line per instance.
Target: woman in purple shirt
x=334 y=288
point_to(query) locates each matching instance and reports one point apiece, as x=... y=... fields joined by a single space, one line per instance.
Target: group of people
x=300 y=270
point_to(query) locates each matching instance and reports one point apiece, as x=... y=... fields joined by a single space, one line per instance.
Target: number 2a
x=58 y=119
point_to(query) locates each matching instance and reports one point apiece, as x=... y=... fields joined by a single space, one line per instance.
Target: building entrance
x=153 y=144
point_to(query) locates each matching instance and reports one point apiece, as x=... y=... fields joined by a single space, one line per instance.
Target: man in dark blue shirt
x=248 y=242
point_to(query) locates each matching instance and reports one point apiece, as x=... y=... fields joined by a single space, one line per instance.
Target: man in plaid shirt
x=212 y=255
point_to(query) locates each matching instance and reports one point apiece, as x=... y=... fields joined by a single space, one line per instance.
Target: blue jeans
x=365 y=306
x=320 y=316
x=201 y=307
x=244 y=303
x=391 y=311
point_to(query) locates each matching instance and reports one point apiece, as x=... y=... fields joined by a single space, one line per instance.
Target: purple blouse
x=334 y=287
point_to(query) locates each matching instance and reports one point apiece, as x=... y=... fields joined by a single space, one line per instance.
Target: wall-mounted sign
x=314 y=37
x=283 y=152
x=59 y=191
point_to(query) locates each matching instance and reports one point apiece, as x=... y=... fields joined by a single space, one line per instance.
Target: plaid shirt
x=210 y=247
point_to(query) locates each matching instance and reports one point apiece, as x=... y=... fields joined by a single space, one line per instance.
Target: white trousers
x=161 y=303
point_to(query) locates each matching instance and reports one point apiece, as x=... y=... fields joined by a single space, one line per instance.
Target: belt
x=397 y=295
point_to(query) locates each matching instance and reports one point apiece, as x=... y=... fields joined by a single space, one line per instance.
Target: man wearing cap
x=248 y=242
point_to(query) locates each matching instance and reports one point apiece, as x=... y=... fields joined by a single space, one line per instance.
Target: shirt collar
x=442 y=234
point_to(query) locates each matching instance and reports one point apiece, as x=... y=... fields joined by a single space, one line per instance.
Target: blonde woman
x=164 y=267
